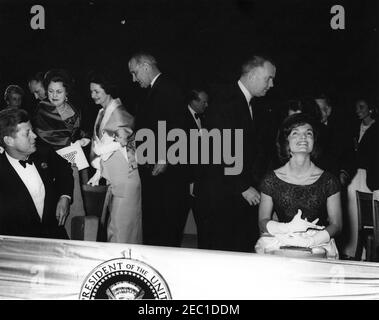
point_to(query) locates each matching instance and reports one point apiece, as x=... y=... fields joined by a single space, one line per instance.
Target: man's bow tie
x=197 y=115
x=24 y=162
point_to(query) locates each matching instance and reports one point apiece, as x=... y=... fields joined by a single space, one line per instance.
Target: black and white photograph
x=189 y=150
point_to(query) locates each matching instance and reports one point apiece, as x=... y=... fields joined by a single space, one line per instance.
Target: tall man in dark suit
x=335 y=139
x=197 y=103
x=229 y=202
x=37 y=184
x=164 y=185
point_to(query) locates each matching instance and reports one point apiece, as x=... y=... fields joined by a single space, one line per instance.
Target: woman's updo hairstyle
x=59 y=75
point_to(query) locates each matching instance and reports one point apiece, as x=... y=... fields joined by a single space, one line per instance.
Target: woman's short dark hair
x=9 y=119
x=290 y=123
x=59 y=75
x=104 y=79
x=370 y=104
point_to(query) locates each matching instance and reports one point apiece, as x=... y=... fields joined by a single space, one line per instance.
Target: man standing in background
x=164 y=185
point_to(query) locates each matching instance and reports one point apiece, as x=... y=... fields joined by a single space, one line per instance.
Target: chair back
x=376 y=230
x=365 y=225
x=93 y=199
x=85 y=228
x=365 y=210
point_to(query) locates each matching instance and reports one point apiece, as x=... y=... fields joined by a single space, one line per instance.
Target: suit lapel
x=10 y=174
x=244 y=107
x=152 y=89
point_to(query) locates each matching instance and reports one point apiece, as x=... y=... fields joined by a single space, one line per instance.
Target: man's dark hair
x=9 y=119
x=193 y=94
x=305 y=105
x=38 y=77
x=325 y=97
x=290 y=123
x=254 y=62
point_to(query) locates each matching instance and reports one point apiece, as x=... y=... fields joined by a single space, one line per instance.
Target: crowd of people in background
x=300 y=172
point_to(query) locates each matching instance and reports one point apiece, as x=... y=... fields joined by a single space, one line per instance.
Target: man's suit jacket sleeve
x=224 y=117
x=170 y=102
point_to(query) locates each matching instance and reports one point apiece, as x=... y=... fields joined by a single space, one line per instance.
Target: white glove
x=94 y=181
x=299 y=240
x=102 y=148
x=96 y=163
x=293 y=239
x=296 y=225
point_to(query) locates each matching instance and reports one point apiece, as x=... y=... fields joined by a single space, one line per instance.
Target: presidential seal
x=124 y=279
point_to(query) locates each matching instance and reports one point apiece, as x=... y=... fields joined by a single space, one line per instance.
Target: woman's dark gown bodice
x=50 y=127
x=310 y=199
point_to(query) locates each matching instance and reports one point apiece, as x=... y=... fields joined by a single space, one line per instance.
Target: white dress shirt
x=198 y=121
x=155 y=79
x=32 y=180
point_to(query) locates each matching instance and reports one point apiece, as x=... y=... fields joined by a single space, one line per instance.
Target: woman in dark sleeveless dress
x=302 y=195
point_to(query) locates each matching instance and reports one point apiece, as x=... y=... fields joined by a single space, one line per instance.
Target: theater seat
x=376 y=232
x=93 y=199
x=84 y=228
x=366 y=235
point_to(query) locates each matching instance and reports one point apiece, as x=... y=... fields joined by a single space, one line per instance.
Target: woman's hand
x=252 y=196
x=159 y=168
x=299 y=225
x=84 y=142
x=122 y=135
x=94 y=181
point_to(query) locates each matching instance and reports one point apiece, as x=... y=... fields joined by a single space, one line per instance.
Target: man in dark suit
x=197 y=100
x=37 y=184
x=164 y=185
x=335 y=139
x=229 y=202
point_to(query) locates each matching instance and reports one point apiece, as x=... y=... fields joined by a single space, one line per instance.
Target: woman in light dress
x=113 y=157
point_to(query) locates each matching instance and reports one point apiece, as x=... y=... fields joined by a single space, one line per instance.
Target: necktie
x=197 y=116
x=24 y=162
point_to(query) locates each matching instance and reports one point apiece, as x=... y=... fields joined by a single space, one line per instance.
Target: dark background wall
x=198 y=41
